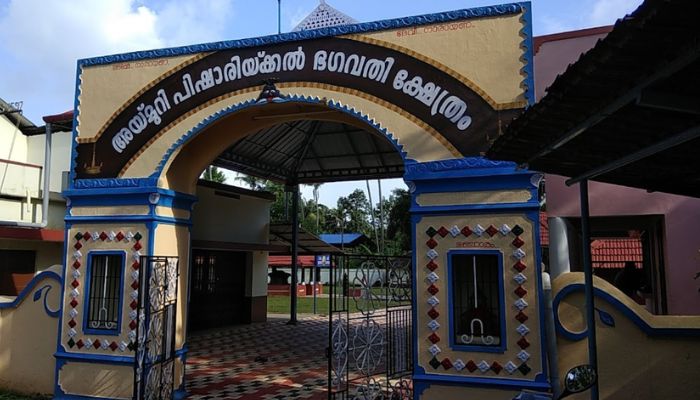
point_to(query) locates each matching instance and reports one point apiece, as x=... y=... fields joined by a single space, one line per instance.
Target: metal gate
x=154 y=369
x=370 y=346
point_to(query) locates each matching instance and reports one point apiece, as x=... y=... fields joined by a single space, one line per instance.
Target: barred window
x=476 y=299
x=104 y=291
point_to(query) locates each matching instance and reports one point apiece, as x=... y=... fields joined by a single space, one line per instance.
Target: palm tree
x=213 y=174
x=253 y=182
x=318 y=217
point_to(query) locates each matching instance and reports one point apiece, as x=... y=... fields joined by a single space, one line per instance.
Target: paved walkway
x=268 y=360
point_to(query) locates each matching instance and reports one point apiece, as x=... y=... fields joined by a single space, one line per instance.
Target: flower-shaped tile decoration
x=520 y=304
x=433 y=301
x=510 y=367
x=433 y=325
x=432 y=277
x=478 y=230
x=483 y=366
x=522 y=330
x=523 y=355
x=519 y=254
x=504 y=229
x=458 y=364
x=434 y=350
x=432 y=254
x=455 y=231
x=519 y=278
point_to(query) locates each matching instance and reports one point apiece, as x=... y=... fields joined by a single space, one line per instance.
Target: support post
x=588 y=276
x=295 y=256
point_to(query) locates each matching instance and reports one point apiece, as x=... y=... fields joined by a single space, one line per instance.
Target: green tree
x=398 y=224
x=213 y=174
x=253 y=182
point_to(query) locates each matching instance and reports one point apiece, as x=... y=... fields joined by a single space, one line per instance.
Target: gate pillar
x=478 y=310
x=109 y=231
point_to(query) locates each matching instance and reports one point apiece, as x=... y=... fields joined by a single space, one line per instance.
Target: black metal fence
x=370 y=328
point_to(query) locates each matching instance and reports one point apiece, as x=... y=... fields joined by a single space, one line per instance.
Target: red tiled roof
x=613 y=253
x=544 y=229
x=286 y=261
x=605 y=252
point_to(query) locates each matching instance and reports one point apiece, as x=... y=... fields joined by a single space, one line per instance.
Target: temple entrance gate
x=370 y=325
x=154 y=369
x=410 y=98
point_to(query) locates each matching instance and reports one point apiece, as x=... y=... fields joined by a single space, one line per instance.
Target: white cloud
x=43 y=39
x=606 y=12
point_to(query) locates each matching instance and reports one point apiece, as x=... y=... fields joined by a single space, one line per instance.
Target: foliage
x=7 y=395
x=213 y=174
x=398 y=224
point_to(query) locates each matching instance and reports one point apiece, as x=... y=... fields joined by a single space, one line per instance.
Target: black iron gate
x=154 y=369
x=371 y=351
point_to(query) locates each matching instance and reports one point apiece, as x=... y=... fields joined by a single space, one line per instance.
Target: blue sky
x=42 y=39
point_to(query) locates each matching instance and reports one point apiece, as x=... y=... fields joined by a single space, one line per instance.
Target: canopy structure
x=307 y=243
x=626 y=112
x=313 y=151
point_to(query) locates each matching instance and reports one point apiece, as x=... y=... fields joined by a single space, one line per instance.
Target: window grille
x=105 y=291
x=477 y=300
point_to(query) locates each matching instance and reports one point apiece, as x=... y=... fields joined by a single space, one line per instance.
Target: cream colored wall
x=501 y=243
x=225 y=219
x=437 y=392
x=47 y=253
x=16 y=179
x=28 y=341
x=128 y=247
x=632 y=365
x=171 y=240
x=481 y=197
x=61 y=147
x=100 y=98
x=485 y=51
x=258 y=274
x=107 y=381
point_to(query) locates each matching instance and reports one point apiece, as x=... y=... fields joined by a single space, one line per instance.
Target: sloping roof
x=613 y=253
x=626 y=112
x=324 y=16
x=286 y=261
x=346 y=239
x=307 y=243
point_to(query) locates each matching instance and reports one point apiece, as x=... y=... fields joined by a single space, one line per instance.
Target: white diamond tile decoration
x=455 y=231
x=459 y=365
x=523 y=355
x=131 y=335
x=523 y=330
x=73 y=313
x=433 y=301
x=478 y=230
x=76 y=274
x=137 y=255
x=88 y=343
x=432 y=254
x=95 y=236
x=123 y=346
x=104 y=344
x=111 y=236
x=72 y=332
x=483 y=366
x=520 y=304
x=519 y=254
x=434 y=350
x=135 y=295
x=77 y=254
x=433 y=277
x=129 y=236
x=132 y=314
x=135 y=275
x=433 y=325
x=510 y=367
x=520 y=278
x=74 y=293
x=504 y=229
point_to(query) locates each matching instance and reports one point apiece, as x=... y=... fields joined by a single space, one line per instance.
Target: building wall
x=61 y=143
x=47 y=253
x=680 y=229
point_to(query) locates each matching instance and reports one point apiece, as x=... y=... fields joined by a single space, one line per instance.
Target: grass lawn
x=305 y=305
x=5 y=395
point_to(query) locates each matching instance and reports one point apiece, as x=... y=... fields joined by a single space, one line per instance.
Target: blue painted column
x=478 y=298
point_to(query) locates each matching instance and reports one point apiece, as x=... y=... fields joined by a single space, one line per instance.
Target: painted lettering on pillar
x=431 y=95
